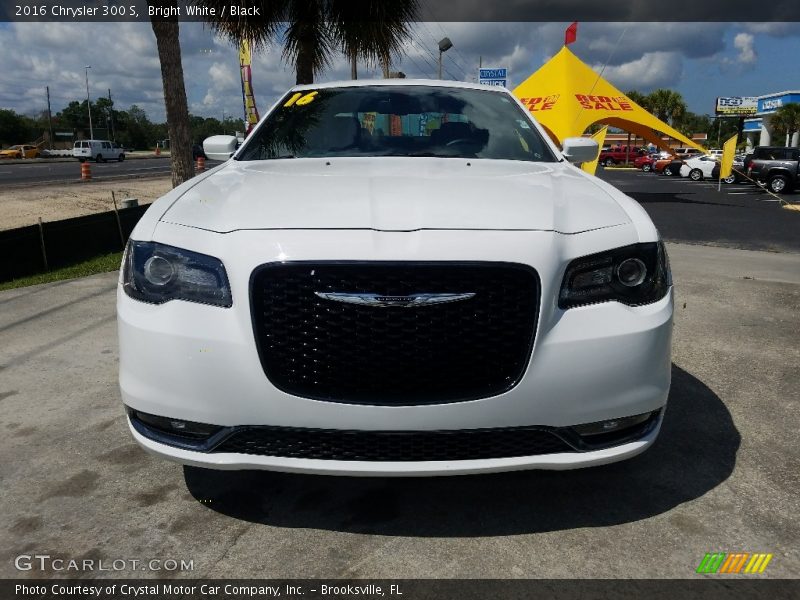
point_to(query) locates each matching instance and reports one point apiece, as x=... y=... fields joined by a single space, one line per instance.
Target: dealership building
x=756 y=129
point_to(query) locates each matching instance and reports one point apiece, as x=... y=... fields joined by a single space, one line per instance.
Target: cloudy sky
x=700 y=60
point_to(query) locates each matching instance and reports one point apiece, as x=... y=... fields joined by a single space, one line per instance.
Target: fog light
x=611 y=425
x=185 y=429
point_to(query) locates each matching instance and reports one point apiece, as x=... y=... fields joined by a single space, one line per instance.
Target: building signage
x=737 y=106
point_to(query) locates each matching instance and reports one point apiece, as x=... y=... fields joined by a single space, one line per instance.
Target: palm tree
x=639 y=98
x=667 y=105
x=169 y=54
x=786 y=120
x=372 y=30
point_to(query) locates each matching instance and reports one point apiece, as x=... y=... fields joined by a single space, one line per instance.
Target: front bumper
x=588 y=364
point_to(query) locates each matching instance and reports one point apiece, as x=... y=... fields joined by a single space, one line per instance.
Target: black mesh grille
x=327 y=350
x=329 y=444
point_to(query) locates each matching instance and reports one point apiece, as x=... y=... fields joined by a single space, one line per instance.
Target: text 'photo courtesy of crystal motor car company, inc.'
x=395 y=278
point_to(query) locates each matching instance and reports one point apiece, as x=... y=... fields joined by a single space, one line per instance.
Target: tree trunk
x=169 y=54
x=305 y=56
x=385 y=66
x=353 y=65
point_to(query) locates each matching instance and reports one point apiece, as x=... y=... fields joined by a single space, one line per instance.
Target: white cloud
x=652 y=70
x=743 y=42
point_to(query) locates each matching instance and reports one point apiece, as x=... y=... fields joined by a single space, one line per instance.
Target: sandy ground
x=24 y=206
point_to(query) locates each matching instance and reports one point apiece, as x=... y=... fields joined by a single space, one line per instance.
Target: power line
x=435 y=41
x=436 y=60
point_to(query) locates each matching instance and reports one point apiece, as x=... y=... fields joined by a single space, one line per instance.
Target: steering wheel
x=458 y=141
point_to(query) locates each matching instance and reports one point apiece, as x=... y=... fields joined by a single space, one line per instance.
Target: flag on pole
x=728 y=151
x=571 y=34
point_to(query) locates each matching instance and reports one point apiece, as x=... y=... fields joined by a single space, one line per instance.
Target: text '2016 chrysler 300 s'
x=395 y=278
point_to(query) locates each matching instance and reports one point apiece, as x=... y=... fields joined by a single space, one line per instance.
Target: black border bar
x=430 y=10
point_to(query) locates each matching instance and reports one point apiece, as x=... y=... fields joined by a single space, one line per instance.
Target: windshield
x=397 y=121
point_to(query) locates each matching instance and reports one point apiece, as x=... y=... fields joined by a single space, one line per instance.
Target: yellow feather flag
x=728 y=150
x=600 y=138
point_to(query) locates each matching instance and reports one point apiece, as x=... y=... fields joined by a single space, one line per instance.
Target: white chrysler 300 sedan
x=395 y=278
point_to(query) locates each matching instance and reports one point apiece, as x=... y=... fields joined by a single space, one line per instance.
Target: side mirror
x=220 y=147
x=580 y=149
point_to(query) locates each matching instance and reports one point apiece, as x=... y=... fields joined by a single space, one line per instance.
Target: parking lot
x=723 y=475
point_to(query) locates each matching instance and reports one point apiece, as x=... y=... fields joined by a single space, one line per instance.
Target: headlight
x=157 y=273
x=634 y=275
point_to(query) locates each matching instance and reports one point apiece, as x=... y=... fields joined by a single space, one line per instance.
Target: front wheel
x=647 y=168
x=668 y=171
x=778 y=184
x=121 y=157
x=99 y=158
x=695 y=175
x=730 y=179
x=609 y=162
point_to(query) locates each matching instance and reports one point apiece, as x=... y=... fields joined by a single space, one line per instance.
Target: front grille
x=327 y=350
x=330 y=444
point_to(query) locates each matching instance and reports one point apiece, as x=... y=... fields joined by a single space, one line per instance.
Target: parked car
x=775 y=166
x=668 y=166
x=646 y=162
x=698 y=168
x=98 y=150
x=737 y=174
x=20 y=151
x=620 y=154
x=685 y=153
x=333 y=301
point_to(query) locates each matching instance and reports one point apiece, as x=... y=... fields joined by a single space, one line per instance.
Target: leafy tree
x=667 y=105
x=14 y=128
x=785 y=121
x=373 y=30
x=639 y=98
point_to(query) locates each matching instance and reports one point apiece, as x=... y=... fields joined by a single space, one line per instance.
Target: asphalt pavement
x=737 y=216
x=37 y=172
x=723 y=475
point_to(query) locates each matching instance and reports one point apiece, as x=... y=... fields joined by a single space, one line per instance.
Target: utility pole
x=49 y=119
x=111 y=114
x=89 y=103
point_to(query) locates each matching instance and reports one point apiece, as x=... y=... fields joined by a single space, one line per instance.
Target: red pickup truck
x=620 y=154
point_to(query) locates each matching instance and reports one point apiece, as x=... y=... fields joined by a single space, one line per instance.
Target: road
x=738 y=216
x=723 y=475
x=54 y=172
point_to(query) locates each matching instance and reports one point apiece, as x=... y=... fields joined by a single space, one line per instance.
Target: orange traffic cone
x=86 y=171
x=201 y=164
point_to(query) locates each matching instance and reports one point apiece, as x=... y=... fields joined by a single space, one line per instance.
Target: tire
x=696 y=175
x=121 y=157
x=99 y=158
x=647 y=168
x=778 y=184
x=609 y=162
x=730 y=179
x=668 y=171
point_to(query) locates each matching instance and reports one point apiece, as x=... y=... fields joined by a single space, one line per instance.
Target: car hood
x=396 y=194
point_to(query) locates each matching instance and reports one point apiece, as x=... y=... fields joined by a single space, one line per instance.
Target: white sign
x=737 y=105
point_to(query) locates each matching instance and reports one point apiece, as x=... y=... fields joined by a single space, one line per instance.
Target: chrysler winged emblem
x=410 y=301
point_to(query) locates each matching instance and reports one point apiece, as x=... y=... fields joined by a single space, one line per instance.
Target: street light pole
x=89 y=102
x=444 y=45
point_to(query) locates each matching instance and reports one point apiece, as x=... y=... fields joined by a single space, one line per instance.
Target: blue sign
x=493 y=76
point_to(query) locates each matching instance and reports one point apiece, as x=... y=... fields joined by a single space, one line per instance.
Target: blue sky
x=700 y=60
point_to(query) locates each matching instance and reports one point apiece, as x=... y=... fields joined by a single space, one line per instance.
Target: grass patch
x=99 y=264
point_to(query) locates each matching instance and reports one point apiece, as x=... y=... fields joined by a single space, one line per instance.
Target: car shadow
x=673 y=198
x=695 y=452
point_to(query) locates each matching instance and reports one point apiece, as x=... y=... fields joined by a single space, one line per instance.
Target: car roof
x=433 y=83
